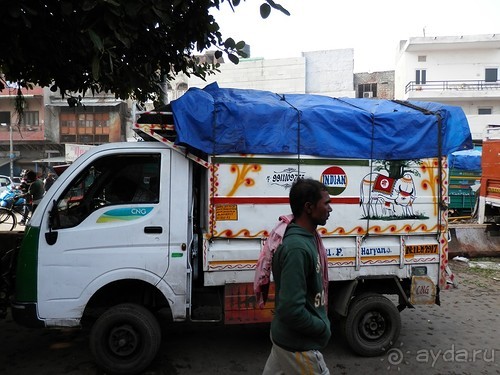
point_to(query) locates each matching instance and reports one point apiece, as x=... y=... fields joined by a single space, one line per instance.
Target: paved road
x=462 y=336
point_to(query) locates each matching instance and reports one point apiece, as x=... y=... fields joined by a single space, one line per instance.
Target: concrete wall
x=279 y=75
x=320 y=72
x=330 y=72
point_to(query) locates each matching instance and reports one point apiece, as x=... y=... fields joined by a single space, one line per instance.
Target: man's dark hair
x=304 y=190
x=30 y=176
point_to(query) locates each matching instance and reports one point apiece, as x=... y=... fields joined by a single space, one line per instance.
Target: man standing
x=300 y=327
x=34 y=194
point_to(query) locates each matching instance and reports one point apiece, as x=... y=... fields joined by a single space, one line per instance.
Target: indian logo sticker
x=335 y=180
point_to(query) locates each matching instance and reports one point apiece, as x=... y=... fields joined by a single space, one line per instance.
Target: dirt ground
x=478 y=273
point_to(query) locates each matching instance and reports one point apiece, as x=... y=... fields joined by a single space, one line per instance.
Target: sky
x=373 y=28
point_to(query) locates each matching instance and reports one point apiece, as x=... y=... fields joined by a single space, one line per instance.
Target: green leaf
x=233 y=58
x=96 y=40
x=88 y=5
x=112 y=2
x=265 y=10
x=96 y=66
x=240 y=45
x=229 y=43
x=218 y=54
x=278 y=7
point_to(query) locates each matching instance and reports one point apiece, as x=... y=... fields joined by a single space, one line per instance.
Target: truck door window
x=110 y=180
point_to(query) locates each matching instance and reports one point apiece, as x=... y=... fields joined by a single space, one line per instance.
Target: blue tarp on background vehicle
x=221 y=121
x=468 y=160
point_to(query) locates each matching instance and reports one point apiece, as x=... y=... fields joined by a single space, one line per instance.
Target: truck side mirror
x=51 y=236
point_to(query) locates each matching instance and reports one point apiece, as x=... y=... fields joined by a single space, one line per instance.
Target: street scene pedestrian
x=34 y=192
x=49 y=181
x=300 y=327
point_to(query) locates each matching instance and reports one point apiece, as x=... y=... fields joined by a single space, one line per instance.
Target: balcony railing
x=467 y=85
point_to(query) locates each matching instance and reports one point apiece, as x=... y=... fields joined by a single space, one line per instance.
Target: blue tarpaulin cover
x=467 y=160
x=221 y=120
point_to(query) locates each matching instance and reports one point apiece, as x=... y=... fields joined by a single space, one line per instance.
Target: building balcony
x=11 y=92
x=453 y=90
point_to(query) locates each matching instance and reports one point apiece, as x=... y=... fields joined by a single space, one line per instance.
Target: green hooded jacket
x=300 y=322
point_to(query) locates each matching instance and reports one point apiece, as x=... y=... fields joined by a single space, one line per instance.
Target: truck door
x=109 y=221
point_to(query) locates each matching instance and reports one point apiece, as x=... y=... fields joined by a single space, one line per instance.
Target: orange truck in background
x=489 y=192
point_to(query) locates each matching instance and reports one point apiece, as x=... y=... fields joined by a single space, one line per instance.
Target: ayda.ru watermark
x=396 y=356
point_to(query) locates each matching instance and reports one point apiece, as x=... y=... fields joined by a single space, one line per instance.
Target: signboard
x=73 y=151
x=226 y=212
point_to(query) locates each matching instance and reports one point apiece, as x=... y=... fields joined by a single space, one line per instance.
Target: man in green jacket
x=300 y=327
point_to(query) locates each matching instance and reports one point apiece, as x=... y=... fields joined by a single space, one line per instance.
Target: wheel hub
x=123 y=340
x=373 y=325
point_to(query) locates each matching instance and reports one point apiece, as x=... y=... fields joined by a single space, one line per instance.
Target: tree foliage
x=126 y=47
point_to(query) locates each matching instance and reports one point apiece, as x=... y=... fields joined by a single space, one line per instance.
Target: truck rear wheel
x=372 y=325
x=125 y=339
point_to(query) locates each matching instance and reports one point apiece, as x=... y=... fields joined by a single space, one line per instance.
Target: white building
x=455 y=70
x=321 y=72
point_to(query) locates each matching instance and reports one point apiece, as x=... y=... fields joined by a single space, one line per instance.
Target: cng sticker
x=124 y=214
x=335 y=180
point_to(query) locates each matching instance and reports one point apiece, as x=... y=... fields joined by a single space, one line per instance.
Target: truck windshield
x=110 y=180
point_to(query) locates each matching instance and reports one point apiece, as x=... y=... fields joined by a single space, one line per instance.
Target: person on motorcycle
x=33 y=195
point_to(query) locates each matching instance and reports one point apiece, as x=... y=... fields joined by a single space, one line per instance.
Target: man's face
x=320 y=212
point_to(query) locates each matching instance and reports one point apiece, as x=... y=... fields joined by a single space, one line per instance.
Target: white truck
x=176 y=225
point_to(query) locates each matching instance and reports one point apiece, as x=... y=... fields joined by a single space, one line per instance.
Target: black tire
x=372 y=325
x=125 y=339
x=8 y=219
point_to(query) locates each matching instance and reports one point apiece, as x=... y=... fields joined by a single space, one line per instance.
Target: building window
x=87 y=128
x=422 y=58
x=421 y=76
x=484 y=111
x=5 y=119
x=367 y=90
x=30 y=120
x=491 y=74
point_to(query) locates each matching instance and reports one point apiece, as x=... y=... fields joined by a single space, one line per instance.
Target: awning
x=4 y=161
x=55 y=159
x=113 y=103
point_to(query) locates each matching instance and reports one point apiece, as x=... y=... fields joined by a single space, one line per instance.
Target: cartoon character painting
x=384 y=196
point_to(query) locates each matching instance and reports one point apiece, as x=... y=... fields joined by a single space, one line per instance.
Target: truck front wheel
x=372 y=325
x=125 y=339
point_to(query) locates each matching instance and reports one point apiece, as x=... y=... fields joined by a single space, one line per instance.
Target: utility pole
x=11 y=152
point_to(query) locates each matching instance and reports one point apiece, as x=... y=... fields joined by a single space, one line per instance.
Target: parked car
x=5 y=182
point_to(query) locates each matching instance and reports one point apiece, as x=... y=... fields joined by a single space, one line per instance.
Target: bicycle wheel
x=8 y=220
